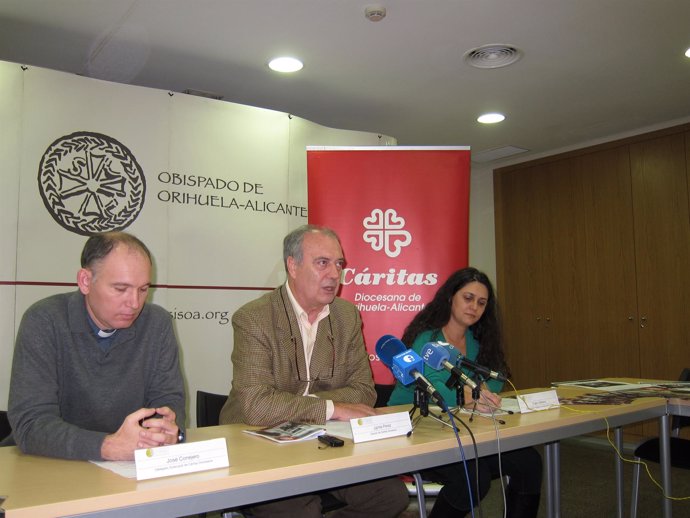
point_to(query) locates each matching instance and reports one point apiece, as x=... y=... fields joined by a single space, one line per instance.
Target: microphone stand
x=421 y=403
x=455 y=381
x=476 y=393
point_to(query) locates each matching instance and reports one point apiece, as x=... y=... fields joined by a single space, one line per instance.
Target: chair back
x=208 y=407
x=383 y=392
x=5 y=429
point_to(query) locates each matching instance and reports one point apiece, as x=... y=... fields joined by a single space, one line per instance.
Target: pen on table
x=491 y=417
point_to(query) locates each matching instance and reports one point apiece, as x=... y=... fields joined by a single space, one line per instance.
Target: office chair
x=649 y=451
x=5 y=428
x=208 y=407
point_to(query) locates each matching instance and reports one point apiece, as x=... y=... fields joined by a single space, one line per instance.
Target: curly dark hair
x=487 y=331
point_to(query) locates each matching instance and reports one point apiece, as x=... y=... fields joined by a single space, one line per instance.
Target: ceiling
x=591 y=69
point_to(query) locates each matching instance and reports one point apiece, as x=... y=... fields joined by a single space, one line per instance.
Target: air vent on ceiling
x=493 y=56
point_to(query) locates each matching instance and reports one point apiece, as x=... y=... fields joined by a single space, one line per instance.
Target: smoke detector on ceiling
x=493 y=56
x=375 y=13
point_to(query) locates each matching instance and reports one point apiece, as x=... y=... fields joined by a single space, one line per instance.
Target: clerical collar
x=100 y=333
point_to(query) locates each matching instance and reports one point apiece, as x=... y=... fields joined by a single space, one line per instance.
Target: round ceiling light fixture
x=285 y=64
x=493 y=56
x=491 y=118
x=687 y=53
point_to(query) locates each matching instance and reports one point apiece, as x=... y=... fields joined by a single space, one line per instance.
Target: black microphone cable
x=451 y=419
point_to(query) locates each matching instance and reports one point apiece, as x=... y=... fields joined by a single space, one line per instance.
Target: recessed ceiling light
x=285 y=64
x=687 y=53
x=491 y=118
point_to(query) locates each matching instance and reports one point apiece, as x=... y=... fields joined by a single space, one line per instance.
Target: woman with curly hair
x=464 y=315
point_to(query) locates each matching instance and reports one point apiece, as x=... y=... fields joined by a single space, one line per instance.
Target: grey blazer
x=269 y=372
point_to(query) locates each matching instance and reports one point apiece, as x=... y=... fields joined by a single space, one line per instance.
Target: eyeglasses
x=293 y=339
x=328 y=375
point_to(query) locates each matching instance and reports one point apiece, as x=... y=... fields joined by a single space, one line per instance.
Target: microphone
x=405 y=364
x=436 y=356
x=484 y=371
x=388 y=346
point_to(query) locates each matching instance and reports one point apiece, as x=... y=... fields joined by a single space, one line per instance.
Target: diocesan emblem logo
x=385 y=230
x=91 y=183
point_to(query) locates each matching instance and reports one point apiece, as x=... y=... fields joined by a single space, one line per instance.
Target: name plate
x=380 y=426
x=538 y=401
x=181 y=458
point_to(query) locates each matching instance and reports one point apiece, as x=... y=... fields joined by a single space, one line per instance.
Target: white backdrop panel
x=209 y=241
x=57 y=105
x=10 y=125
x=224 y=224
x=10 y=128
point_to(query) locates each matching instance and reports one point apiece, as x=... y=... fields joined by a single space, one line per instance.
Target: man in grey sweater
x=96 y=373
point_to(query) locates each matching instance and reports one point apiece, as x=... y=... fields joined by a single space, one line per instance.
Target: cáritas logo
x=91 y=183
x=386 y=231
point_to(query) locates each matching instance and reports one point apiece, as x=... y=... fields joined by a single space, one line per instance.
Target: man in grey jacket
x=96 y=373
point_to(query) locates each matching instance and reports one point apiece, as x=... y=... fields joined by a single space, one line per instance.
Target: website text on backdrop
x=299 y=356
x=464 y=316
x=96 y=372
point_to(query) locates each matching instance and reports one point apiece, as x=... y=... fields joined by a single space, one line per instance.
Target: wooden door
x=592 y=258
x=611 y=302
x=662 y=250
x=567 y=275
x=522 y=275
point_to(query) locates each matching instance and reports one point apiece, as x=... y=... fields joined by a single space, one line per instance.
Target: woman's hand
x=486 y=403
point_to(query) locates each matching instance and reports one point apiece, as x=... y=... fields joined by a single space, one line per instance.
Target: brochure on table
x=289 y=432
x=599 y=384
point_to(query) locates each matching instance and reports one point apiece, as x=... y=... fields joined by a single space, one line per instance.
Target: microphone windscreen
x=434 y=355
x=388 y=346
x=453 y=355
x=407 y=366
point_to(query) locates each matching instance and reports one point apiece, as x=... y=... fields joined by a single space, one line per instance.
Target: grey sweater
x=67 y=394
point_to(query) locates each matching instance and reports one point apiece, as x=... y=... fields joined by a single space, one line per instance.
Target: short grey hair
x=292 y=243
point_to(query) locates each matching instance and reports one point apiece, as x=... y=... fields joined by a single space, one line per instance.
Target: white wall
x=482 y=231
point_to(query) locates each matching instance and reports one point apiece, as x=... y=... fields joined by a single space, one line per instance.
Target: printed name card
x=380 y=426
x=181 y=458
x=538 y=401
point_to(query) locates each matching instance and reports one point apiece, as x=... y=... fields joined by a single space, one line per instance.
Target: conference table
x=675 y=406
x=35 y=487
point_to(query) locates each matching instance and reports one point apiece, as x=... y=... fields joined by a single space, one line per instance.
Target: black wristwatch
x=180 y=435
